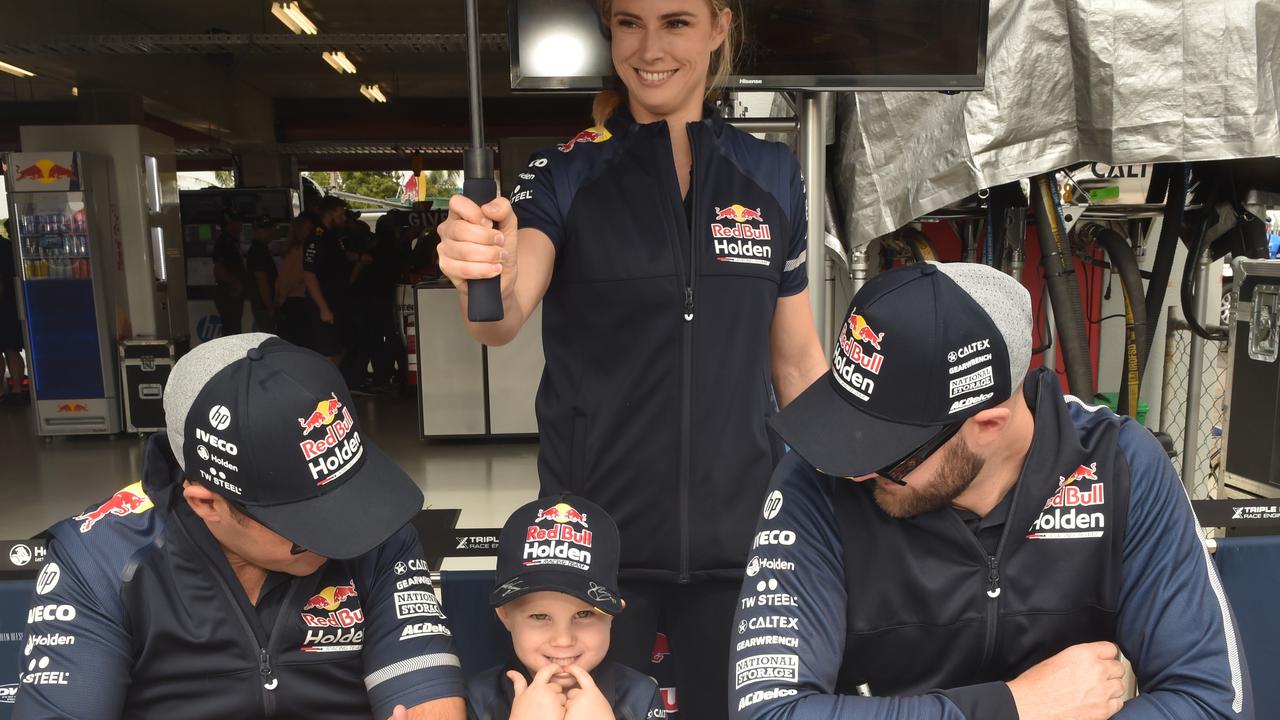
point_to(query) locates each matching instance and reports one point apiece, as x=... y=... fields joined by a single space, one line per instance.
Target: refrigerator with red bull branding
x=68 y=265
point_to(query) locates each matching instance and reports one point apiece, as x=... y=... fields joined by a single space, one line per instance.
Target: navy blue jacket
x=137 y=614
x=656 y=324
x=1100 y=544
x=632 y=694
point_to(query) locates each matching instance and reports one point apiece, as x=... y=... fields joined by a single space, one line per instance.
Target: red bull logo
x=46 y=172
x=740 y=214
x=1070 y=492
x=322 y=416
x=562 y=513
x=325 y=608
x=129 y=501
x=331 y=598
x=1083 y=472
x=596 y=134
x=661 y=648
x=862 y=332
x=73 y=407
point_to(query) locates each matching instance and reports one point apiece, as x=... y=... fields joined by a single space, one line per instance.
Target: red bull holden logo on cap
x=737 y=243
x=597 y=134
x=129 y=501
x=560 y=544
x=339 y=449
x=852 y=365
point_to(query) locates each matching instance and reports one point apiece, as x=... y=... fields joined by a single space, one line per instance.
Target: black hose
x=1162 y=267
x=1125 y=265
x=1190 y=272
x=1064 y=292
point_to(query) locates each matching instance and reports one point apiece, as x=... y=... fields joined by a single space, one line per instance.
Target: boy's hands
x=585 y=702
x=540 y=699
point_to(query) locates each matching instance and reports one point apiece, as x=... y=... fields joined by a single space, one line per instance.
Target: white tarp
x=1114 y=81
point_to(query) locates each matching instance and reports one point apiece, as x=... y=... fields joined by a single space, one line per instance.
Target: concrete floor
x=43 y=481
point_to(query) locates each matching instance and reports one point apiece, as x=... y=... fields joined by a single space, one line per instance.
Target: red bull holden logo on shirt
x=736 y=243
x=852 y=364
x=597 y=134
x=338 y=449
x=128 y=501
x=1067 y=514
x=337 y=628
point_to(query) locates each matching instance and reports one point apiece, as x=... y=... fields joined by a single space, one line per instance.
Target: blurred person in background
x=293 y=316
x=10 y=325
x=263 y=267
x=327 y=272
x=230 y=275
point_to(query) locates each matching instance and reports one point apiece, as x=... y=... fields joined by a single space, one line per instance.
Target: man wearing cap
x=327 y=273
x=952 y=538
x=262 y=567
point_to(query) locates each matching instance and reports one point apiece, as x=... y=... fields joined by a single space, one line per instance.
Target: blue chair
x=478 y=637
x=1250 y=571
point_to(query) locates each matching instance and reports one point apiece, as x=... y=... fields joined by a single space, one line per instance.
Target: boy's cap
x=562 y=544
x=271 y=427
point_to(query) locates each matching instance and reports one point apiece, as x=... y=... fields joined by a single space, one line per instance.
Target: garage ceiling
x=230 y=74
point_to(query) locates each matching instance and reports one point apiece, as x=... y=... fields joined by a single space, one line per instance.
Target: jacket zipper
x=686 y=375
x=267 y=675
x=269 y=681
x=992 y=562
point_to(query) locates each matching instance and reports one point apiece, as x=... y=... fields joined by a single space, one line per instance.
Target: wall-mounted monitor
x=790 y=44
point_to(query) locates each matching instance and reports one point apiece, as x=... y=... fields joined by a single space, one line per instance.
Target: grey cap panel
x=1006 y=302
x=189 y=376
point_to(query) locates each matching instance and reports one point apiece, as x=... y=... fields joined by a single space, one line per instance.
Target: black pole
x=484 y=297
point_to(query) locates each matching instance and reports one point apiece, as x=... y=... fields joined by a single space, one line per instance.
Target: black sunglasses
x=902 y=468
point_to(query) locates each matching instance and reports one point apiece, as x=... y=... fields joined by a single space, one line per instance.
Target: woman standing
x=669 y=251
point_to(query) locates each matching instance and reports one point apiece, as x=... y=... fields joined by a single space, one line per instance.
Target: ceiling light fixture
x=291 y=15
x=15 y=70
x=373 y=93
x=338 y=61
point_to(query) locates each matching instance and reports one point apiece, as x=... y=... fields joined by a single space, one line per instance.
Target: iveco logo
x=214 y=440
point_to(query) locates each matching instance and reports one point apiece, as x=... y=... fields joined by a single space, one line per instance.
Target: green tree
x=381 y=185
x=443 y=183
x=224 y=178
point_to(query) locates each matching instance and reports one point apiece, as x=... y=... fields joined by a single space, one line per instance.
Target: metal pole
x=859 y=267
x=1195 y=382
x=784 y=126
x=813 y=163
x=473 y=75
x=1050 y=355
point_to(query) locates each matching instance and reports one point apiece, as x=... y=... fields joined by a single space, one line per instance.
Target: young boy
x=556 y=593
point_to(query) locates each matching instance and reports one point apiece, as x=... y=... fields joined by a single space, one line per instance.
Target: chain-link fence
x=1202 y=482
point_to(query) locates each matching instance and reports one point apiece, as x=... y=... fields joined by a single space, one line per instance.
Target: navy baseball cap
x=271 y=427
x=923 y=347
x=561 y=543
